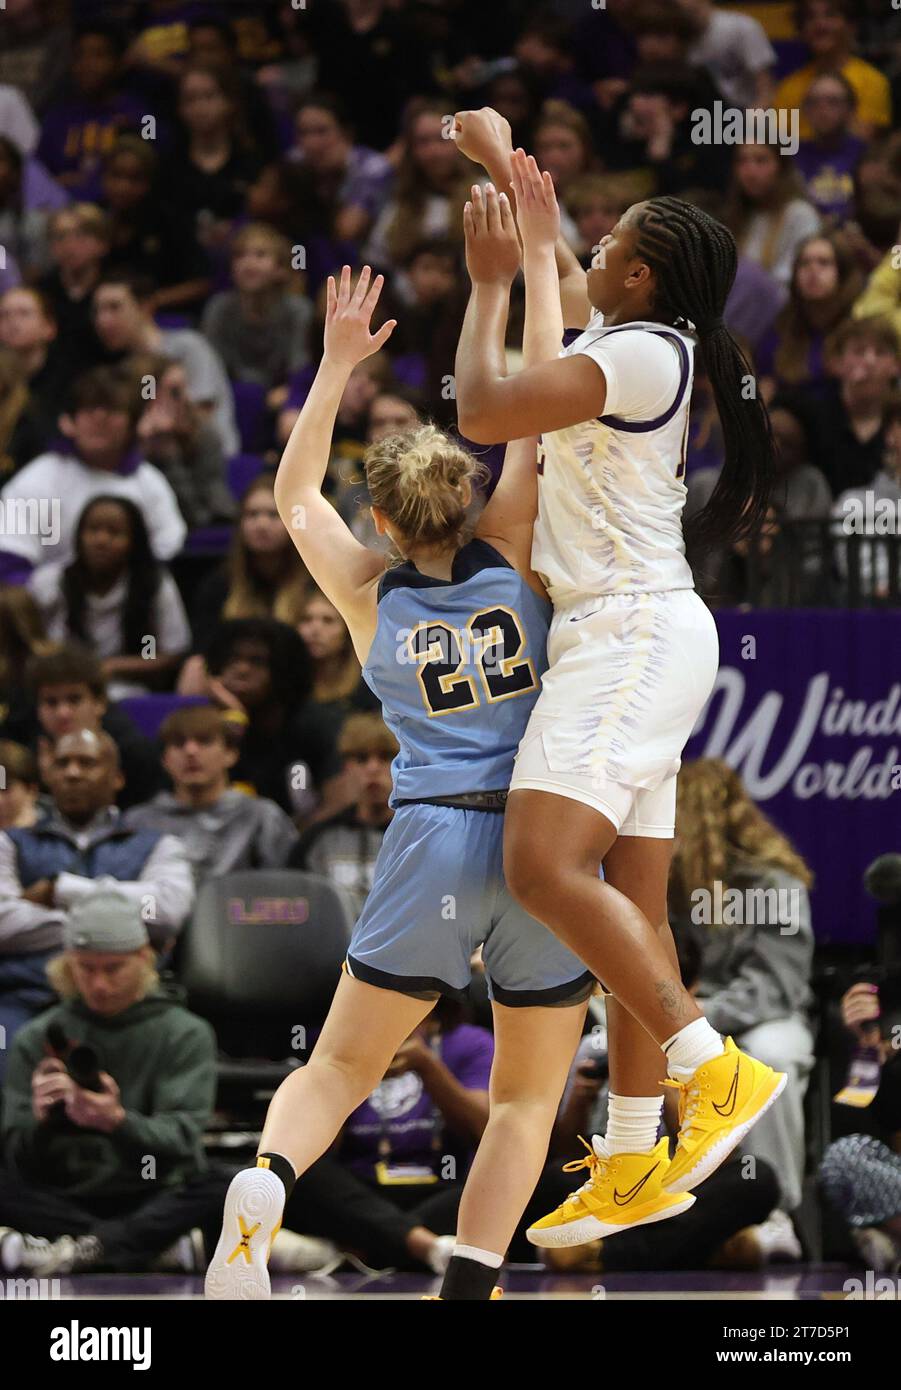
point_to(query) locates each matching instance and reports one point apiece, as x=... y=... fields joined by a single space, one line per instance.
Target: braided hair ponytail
x=694 y=259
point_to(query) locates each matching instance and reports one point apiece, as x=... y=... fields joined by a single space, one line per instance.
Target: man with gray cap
x=83 y=844
x=105 y=1104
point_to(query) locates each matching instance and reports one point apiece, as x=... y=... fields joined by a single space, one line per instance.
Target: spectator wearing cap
x=105 y=1104
x=222 y=829
x=80 y=845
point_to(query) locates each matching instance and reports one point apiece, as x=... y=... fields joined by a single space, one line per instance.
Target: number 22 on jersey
x=492 y=641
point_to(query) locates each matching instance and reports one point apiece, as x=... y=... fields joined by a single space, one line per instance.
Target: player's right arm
x=484 y=136
x=346 y=571
x=509 y=516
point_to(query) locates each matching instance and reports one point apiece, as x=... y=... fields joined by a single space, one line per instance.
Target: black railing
x=805 y=564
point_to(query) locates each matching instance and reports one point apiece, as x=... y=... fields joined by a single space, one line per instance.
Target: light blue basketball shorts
x=438 y=894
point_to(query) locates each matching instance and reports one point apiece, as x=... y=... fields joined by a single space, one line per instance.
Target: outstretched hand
x=537 y=211
x=492 y=243
x=348 y=315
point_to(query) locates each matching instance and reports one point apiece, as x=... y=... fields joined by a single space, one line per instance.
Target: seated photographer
x=104 y=1109
x=80 y=845
x=221 y=829
x=860 y=1174
x=726 y=1227
x=738 y=878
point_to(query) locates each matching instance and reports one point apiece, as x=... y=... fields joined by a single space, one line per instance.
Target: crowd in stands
x=177 y=181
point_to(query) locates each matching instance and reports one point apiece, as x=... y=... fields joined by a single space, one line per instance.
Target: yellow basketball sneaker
x=621 y=1191
x=717 y=1107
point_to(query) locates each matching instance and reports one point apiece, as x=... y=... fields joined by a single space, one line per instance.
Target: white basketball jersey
x=611 y=490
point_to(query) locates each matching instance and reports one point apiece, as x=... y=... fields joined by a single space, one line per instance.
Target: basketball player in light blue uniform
x=457 y=666
x=452 y=641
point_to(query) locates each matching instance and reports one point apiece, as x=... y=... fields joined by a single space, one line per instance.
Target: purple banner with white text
x=807 y=707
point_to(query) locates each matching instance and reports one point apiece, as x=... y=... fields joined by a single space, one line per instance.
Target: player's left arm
x=344 y=570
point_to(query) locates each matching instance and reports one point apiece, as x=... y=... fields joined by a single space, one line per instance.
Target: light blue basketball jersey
x=457 y=666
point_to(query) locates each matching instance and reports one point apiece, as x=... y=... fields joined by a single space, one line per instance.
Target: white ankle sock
x=690 y=1048
x=481 y=1257
x=632 y=1123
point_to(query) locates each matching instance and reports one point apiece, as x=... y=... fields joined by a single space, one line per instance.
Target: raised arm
x=346 y=571
x=538 y=220
x=492 y=259
x=493 y=408
x=484 y=136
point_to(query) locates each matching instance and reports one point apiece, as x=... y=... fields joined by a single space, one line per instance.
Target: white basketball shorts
x=628 y=676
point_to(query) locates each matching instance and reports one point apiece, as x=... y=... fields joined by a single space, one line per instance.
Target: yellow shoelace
x=689 y=1098
x=590 y=1161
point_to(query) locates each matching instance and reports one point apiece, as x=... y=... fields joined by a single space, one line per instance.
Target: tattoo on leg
x=672 y=998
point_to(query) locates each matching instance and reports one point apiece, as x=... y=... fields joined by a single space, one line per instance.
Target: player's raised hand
x=348 y=315
x=483 y=136
x=492 y=243
x=537 y=211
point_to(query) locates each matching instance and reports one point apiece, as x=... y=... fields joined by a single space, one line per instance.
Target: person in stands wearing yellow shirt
x=882 y=293
x=827 y=27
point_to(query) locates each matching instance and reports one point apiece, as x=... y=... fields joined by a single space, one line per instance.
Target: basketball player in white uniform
x=632 y=649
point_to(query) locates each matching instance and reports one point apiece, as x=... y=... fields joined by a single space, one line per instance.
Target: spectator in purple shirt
x=827 y=161
x=79 y=130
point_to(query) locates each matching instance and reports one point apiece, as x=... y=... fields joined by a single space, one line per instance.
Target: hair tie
x=710 y=327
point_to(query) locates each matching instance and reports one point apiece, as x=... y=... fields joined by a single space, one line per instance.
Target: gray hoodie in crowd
x=236 y=832
x=759 y=969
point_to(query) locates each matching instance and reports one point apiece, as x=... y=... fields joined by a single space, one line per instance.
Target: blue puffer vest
x=49 y=848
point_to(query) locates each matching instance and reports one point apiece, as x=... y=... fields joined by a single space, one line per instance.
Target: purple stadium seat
x=207 y=540
x=250 y=406
x=242 y=469
x=410 y=370
x=149 y=711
